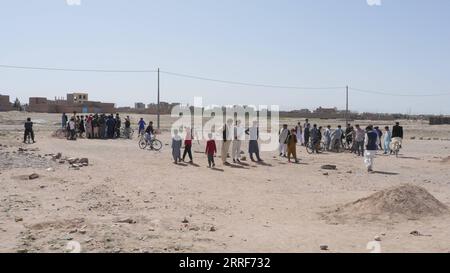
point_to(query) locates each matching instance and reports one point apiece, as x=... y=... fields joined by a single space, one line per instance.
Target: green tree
x=17 y=106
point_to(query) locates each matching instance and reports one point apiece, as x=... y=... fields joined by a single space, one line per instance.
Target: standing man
x=380 y=134
x=371 y=142
x=64 y=120
x=253 y=147
x=315 y=138
x=177 y=142
x=359 y=139
x=88 y=125
x=237 y=141
x=81 y=128
x=348 y=134
x=128 y=127
x=387 y=140
x=72 y=129
x=111 y=124
x=102 y=126
x=336 y=138
x=95 y=126
x=282 y=139
x=327 y=137
x=28 y=131
x=306 y=132
x=227 y=135
x=299 y=133
x=117 y=125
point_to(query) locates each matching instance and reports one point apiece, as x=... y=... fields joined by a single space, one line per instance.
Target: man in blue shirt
x=141 y=124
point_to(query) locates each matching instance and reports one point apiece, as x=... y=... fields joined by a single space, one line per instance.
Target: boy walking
x=211 y=149
x=292 y=146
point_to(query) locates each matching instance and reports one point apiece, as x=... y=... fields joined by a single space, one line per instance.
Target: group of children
x=233 y=135
x=177 y=143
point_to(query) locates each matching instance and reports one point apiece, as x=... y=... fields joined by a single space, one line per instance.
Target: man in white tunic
x=283 y=137
x=237 y=141
x=226 y=141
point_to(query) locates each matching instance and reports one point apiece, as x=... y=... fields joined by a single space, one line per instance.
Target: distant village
x=79 y=102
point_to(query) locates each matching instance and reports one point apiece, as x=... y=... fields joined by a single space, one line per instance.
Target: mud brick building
x=75 y=102
x=5 y=104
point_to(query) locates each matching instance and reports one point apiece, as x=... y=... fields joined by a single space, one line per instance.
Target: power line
x=397 y=94
x=250 y=84
x=75 y=70
x=376 y=92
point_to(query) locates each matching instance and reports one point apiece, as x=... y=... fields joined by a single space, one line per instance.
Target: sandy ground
x=132 y=200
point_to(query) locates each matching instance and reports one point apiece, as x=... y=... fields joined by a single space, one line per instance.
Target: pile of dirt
x=405 y=201
x=446 y=160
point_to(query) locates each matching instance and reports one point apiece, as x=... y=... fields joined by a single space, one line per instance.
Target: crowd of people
x=362 y=142
x=233 y=134
x=96 y=126
x=353 y=137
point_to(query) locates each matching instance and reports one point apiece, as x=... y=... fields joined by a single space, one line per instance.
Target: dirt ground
x=133 y=200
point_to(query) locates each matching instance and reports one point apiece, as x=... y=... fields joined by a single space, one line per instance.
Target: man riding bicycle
x=397 y=135
x=149 y=132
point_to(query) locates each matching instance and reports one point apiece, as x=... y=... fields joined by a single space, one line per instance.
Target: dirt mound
x=446 y=160
x=405 y=201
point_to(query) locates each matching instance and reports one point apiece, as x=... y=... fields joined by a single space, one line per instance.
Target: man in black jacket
x=397 y=131
x=28 y=131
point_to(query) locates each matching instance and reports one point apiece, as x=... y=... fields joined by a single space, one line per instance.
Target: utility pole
x=158 y=107
x=346 y=106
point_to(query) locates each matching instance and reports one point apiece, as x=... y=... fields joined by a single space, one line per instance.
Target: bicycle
x=125 y=134
x=61 y=133
x=346 y=145
x=310 y=149
x=336 y=146
x=153 y=143
x=396 y=146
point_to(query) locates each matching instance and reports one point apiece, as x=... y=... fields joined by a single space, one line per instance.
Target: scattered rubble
x=127 y=221
x=33 y=176
x=324 y=247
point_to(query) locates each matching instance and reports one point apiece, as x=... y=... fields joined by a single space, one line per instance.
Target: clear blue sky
x=401 y=46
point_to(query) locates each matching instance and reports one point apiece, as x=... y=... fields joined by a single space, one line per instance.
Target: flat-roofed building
x=77 y=97
x=139 y=106
x=5 y=104
x=42 y=105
